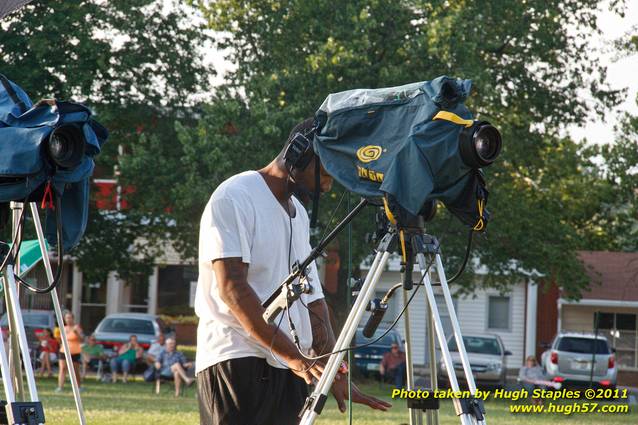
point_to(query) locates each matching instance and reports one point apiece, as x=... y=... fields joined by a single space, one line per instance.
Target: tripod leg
x=15 y=370
x=6 y=377
x=466 y=419
x=465 y=361
x=58 y=314
x=416 y=416
x=10 y=289
x=433 y=415
x=317 y=399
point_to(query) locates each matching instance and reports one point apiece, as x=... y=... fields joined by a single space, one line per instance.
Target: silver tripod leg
x=317 y=399
x=58 y=314
x=10 y=291
x=416 y=416
x=6 y=377
x=433 y=414
x=466 y=418
x=465 y=361
x=14 y=344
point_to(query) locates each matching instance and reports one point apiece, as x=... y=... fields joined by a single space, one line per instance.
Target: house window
x=621 y=332
x=174 y=289
x=498 y=313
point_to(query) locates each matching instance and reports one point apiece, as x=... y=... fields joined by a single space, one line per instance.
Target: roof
x=613 y=275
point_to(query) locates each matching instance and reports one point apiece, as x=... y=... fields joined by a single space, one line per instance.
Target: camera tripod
x=470 y=410
x=17 y=410
x=409 y=236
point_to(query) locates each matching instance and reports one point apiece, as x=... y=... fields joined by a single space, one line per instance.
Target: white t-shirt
x=155 y=349
x=244 y=219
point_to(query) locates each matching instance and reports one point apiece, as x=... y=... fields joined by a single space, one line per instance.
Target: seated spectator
x=48 y=352
x=532 y=376
x=155 y=349
x=172 y=364
x=92 y=356
x=393 y=366
x=128 y=354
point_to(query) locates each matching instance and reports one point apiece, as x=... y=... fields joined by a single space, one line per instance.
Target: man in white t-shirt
x=251 y=233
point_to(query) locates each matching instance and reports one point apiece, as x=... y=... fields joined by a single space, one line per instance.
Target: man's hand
x=340 y=393
x=306 y=369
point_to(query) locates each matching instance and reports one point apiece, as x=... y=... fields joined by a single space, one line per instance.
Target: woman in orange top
x=75 y=337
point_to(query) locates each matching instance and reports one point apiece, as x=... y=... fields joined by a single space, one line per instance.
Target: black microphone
x=377 y=310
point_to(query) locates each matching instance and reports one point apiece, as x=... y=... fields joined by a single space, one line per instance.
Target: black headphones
x=299 y=152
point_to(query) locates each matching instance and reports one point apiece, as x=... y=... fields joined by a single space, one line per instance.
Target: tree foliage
x=136 y=63
x=530 y=65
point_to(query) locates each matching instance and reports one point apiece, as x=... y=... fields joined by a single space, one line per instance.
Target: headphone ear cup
x=296 y=154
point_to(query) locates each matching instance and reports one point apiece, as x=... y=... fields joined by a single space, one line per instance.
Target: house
x=613 y=295
x=528 y=315
x=169 y=289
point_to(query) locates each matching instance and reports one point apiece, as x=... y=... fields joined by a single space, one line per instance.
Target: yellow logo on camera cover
x=369 y=153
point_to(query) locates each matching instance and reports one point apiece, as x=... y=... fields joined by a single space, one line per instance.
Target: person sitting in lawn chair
x=127 y=357
x=172 y=364
x=48 y=352
x=93 y=357
x=155 y=349
x=532 y=376
x=393 y=366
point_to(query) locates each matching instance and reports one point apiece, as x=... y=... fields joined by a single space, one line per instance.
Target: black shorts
x=248 y=391
x=75 y=358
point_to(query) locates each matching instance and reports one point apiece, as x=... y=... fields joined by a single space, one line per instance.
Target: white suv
x=571 y=356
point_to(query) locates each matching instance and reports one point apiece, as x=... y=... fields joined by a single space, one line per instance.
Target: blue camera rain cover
x=392 y=142
x=24 y=168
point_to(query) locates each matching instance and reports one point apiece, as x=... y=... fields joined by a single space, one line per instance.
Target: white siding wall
x=472 y=314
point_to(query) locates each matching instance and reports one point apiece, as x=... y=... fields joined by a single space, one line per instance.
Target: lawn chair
x=99 y=369
x=162 y=379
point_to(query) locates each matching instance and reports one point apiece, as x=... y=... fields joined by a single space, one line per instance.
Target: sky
x=622 y=73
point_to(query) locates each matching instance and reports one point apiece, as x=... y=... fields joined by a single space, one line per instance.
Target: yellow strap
x=404 y=254
x=480 y=224
x=449 y=116
x=388 y=213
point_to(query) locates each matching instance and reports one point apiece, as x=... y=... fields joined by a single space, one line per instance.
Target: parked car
x=34 y=318
x=34 y=322
x=115 y=330
x=487 y=356
x=368 y=359
x=569 y=360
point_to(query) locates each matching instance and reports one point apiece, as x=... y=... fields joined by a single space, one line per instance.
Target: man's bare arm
x=323 y=338
x=234 y=290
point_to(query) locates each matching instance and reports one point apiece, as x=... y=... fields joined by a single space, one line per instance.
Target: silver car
x=116 y=329
x=488 y=360
x=571 y=355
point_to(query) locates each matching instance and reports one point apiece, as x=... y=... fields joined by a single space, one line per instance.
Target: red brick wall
x=546 y=315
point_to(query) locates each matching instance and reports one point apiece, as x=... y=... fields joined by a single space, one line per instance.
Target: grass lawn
x=135 y=403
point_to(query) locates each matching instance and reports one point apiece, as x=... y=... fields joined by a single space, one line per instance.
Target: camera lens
x=487 y=143
x=66 y=146
x=479 y=144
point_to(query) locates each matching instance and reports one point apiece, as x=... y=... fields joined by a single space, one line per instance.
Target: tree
x=135 y=63
x=527 y=63
x=616 y=165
